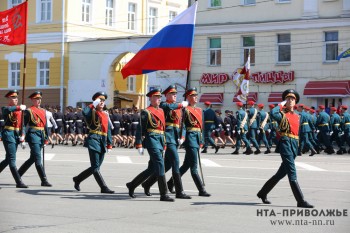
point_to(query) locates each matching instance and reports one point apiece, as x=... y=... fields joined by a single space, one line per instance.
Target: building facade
x=294 y=46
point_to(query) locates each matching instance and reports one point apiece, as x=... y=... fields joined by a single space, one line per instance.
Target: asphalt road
x=233 y=181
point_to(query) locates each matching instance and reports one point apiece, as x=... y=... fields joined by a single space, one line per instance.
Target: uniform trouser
x=326 y=140
x=243 y=137
x=191 y=161
x=272 y=138
x=304 y=140
x=347 y=136
x=156 y=163
x=335 y=136
x=287 y=167
x=35 y=157
x=10 y=157
x=252 y=135
x=262 y=137
x=207 y=136
x=171 y=158
x=96 y=160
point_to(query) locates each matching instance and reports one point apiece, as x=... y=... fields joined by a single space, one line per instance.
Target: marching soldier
x=262 y=120
x=336 y=130
x=79 y=127
x=288 y=148
x=59 y=118
x=346 y=124
x=12 y=136
x=229 y=128
x=209 y=126
x=152 y=127
x=253 y=125
x=304 y=131
x=273 y=127
x=173 y=112
x=241 y=130
x=35 y=118
x=117 y=121
x=193 y=121
x=322 y=123
x=98 y=142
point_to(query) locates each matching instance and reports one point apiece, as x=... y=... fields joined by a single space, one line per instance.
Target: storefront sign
x=220 y=78
x=273 y=77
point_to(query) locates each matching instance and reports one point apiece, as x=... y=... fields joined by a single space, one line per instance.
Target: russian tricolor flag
x=169 y=49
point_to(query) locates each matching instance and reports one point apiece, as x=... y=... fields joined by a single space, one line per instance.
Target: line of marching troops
x=253 y=126
x=162 y=128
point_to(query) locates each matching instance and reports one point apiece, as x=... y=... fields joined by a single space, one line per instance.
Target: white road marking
x=123 y=159
x=308 y=167
x=49 y=156
x=209 y=163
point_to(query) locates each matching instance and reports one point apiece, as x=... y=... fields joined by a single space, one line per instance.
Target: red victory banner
x=13 y=25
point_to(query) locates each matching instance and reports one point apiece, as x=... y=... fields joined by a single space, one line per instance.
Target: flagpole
x=24 y=69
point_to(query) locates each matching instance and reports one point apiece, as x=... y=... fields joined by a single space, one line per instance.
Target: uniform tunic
x=242 y=129
x=209 y=126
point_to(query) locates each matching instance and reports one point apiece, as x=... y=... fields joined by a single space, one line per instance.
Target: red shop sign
x=219 y=78
x=273 y=77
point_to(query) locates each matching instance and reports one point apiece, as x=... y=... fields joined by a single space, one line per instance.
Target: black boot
x=204 y=150
x=101 y=183
x=268 y=186
x=236 y=152
x=340 y=152
x=148 y=184
x=249 y=151
x=257 y=152
x=136 y=182
x=267 y=151
x=82 y=176
x=199 y=184
x=217 y=149
x=3 y=164
x=17 y=177
x=299 y=195
x=42 y=175
x=170 y=184
x=179 y=188
x=313 y=152
x=163 y=189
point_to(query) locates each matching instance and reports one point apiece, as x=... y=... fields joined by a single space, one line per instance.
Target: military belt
x=11 y=128
x=135 y=123
x=323 y=124
x=336 y=124
x=155 y=131
x=37 y=128
x=116 y=122
x=208 y=121
x=194 y=129
x=79 y=121
x=290 y=135
x=97 y=132
x=347 y=123
x=172 y=124
x=305 y=123
x=58 y=119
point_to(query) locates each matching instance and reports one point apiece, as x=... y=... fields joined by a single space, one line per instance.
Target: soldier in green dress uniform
x=288 y=148
x=12 y=135
x=152 y=128
x=98 y=142
x=35 y=118
x=193 y=121
x=210 y=120
x=173 y=115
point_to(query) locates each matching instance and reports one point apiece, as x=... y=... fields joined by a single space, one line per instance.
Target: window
x=109 y=13
x=15 y=2
x=215 y=51
x=86 y=11
x=45 y=10
x=249 y=2
x=44 y=73
x=331 y=46
x=284 y=48
x=131 y=83
x=249 y=46
x=152 y=20
x=132 y=16
x=172 y=15
x=215 y=3
x=15 y=74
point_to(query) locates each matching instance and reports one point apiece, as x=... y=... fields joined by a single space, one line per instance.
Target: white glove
x=283 y=103
x=317 y=131
x=331 y=133
x=269 y=130
x=140 y=150
x=184 y=104
x=96 y=102
x=22 y=107
x=239 y=131
x=122 y=129
x=233 y=131
x=56 y=127
x=258 y=131
x=21 y=138
x=180 y=141
x=67 y=126
x=23 y=145
x=109 y=150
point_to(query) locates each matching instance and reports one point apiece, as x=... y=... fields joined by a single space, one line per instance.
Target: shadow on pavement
x=240 y=204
